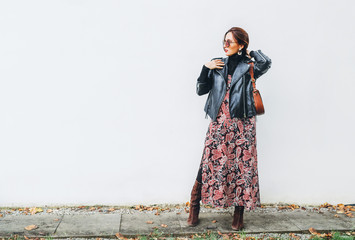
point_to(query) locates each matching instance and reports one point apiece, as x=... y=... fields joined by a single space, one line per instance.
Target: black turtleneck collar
x=233 y=61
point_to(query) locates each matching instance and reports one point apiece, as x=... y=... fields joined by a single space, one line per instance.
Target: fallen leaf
x=92 y=209
x=1 y=215
x=225 y=236
x=164 y=225
x=111 y=209
x=120 y=236
x=49 y=210
x=325 y=235
x=35 y=210
x=312 y=231
x=31 y=227
x=26 y=237
x=325 y=205
x=214 y=221
x=294 y=236
x=57 y=219
x=149 y=222
x=157 y=213
x=178 y=213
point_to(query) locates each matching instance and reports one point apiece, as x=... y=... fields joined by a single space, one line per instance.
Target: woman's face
x=233 y=47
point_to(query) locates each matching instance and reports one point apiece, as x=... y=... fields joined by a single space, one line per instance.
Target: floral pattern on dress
x=229 y=161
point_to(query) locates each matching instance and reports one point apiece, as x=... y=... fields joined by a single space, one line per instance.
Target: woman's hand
x=217 y=63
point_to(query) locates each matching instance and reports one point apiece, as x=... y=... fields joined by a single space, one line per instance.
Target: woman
x=228 y=173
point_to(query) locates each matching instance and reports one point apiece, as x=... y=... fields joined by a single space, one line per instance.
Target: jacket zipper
x=208 y=106
x=244 y=97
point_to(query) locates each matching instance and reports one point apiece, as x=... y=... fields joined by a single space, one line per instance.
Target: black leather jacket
x=241 y=101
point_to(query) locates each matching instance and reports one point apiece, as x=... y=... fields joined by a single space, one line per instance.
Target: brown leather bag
x=259 y=106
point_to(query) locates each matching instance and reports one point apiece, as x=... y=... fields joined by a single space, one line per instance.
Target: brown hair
x=241 y=36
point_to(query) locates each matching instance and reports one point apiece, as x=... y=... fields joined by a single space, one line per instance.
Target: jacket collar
x=239 y=71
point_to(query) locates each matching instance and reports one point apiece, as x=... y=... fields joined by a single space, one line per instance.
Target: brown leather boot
x=194 y=204
x=238 y=218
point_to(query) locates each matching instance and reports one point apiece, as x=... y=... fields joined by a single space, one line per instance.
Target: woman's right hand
x=217 y=63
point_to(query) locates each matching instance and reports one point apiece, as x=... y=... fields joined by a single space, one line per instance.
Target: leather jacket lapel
x=224 y=70
x=239 y=71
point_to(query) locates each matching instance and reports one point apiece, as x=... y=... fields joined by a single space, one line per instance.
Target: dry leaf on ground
x=149 y=222
x=31 y=227
x=294 y=236
x=35 y=210
x=120 y=236
x=225 y=236
x=312 y=231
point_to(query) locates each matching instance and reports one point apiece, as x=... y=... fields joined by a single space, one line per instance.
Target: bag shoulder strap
x=252 y=75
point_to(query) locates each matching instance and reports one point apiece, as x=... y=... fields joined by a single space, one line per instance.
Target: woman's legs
x=195 y=206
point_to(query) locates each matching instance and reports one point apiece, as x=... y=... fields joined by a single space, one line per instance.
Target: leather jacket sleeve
x=204 y=81
x=262 y=63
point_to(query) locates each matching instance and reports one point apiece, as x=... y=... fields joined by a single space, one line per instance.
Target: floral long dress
x=229 y=161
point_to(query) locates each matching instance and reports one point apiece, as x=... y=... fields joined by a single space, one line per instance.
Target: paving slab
x=320 y=221
x=94 y=225
x=255 y=222
x=136 y=223
x=207 y=221
x=349 y=220
x=11 y=225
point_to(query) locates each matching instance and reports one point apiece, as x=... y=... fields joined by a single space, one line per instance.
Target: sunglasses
x=227 y=43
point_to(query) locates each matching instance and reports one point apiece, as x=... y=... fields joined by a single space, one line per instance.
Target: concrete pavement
x=106 y=225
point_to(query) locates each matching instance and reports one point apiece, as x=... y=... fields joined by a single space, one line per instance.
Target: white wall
x=98 y=101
